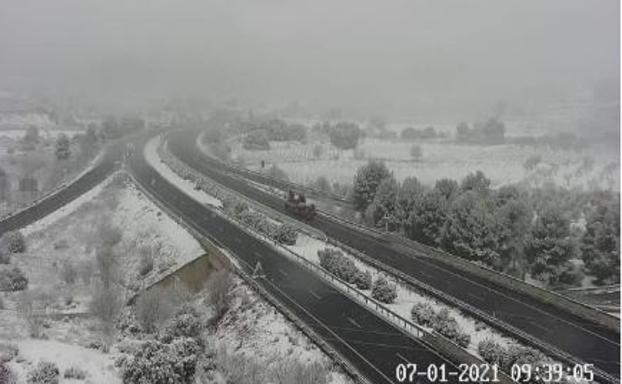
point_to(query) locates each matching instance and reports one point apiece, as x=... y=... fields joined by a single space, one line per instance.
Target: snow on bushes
x=172 y=358
x=44 y=373
x=335 y=262
x=14 y=242
x=7 y=376
x=442 y=322
x=239 y=210
x=160 y=363
x=286 y=234
x=423 y=313
x=74 y=373
x=495 y=353
x=383 y=291
x=12 y=280
x=363 y=280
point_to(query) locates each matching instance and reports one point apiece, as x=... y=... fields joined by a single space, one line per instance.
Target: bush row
x=335 y=262
x=441 y=321
x=495 y=353
x=170 y=358
x=283 y=234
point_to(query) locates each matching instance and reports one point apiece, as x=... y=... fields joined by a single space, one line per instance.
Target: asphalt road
x=586 y=341
x=50 y=203
x=372 y=345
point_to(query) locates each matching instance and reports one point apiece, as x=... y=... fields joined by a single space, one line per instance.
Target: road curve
x=104 y=167
x=370 y=344
x=570 y=334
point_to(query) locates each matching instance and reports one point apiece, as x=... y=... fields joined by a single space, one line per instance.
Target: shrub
x=492 y=352
x=8 y=352
x=68 y=273
x=74 y=373
x=447 y=326
x=146 y=264
x=14 y=242
x=363 y=280
x=12 y=280
x=339 y=265
x=256 y=140
x=5 y=257
x=7 y=376
x=44 y=373
x=294 y=371
x=161 y=363
x=423 y=313
x=185 y=325
x=286 y=234
x=151 y=309
x=383 y=291
x=218 y=293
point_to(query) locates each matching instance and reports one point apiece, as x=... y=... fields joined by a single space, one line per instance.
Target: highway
x=586 y=341
x=48 y=204
x=370 y=344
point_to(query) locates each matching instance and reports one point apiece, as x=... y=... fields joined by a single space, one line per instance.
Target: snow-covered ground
x=308 y=248
x=151 y=154
x=67 y=209
x=99 y=366
x=252 y=327
x=441 y=159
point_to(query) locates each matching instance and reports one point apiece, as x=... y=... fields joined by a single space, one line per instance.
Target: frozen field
x=441 y=159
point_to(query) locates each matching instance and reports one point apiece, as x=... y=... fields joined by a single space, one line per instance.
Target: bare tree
x=106 y=305
x=152 y=308
x=219 y=293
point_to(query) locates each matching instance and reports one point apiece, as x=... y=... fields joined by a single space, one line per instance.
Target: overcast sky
x=395 y=56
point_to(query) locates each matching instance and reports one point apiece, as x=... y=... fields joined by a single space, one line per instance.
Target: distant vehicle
x=296 y=204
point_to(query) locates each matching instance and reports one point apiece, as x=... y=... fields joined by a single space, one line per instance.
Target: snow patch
x=151 y=154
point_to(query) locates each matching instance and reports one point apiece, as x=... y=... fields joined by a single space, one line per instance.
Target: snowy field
x=64 y=237
x=441 y=159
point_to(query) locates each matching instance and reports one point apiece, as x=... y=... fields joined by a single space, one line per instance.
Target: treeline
x=343 y=134
x=490 y=132
x=259 y=133
x=510 y=229
x=411 y=133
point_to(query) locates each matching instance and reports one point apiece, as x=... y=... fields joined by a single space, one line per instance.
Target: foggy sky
x=402 y=57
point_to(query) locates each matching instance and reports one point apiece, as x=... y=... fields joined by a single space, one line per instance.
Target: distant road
x=586 y=341
x=370 y=344
x=58 y=199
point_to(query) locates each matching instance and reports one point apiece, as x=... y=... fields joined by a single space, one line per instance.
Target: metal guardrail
x=215 y=244
x=530 y=340
x=274 y=182
x=430 y=338
x=56 y=189
x=260 y=207
x=413 y=244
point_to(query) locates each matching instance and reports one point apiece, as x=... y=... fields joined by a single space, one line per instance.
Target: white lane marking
x=353 y=322
x=402 y=358
x=315 y=294
x=283 y=272
x=258 y=255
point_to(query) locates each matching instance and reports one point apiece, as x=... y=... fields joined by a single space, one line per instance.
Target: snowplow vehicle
x=296 y=204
